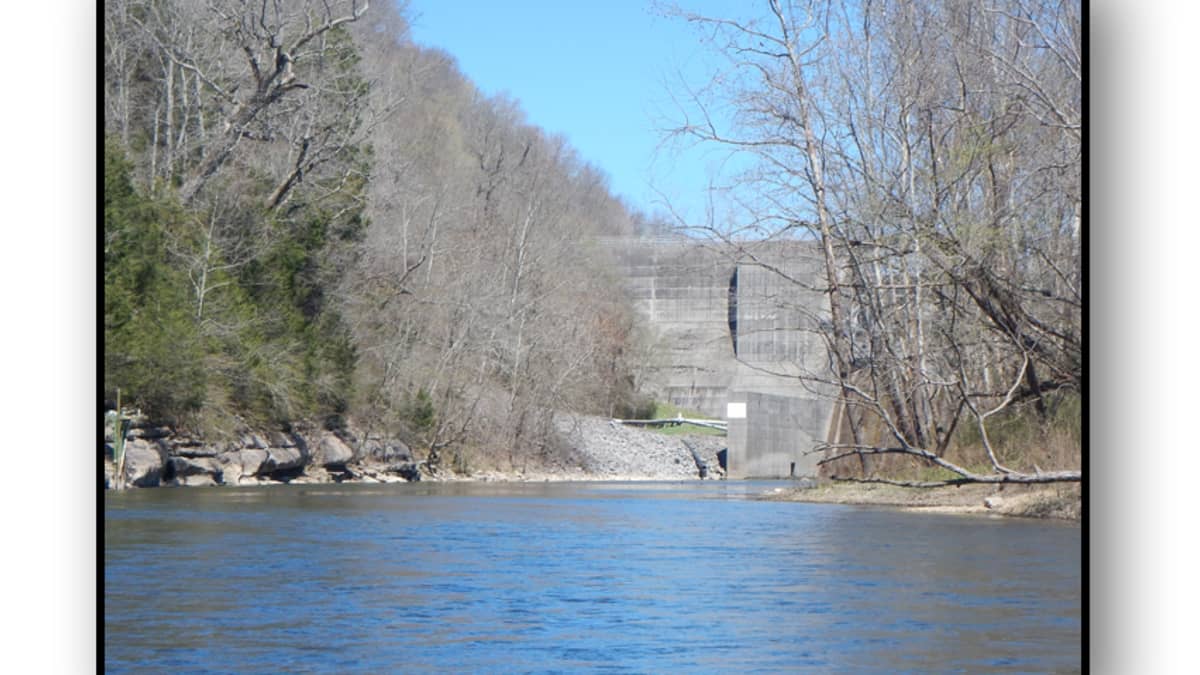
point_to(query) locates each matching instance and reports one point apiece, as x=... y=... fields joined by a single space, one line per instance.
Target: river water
x=628 y=577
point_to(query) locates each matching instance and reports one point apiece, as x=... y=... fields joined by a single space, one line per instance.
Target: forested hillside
x=309 y=217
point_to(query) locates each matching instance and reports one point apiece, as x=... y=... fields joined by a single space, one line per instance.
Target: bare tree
x=477 y=290
x=931 y=151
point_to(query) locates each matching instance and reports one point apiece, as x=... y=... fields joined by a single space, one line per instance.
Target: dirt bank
x=1024 y=501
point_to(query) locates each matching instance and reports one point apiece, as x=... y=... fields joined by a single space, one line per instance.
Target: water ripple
x=568 y=578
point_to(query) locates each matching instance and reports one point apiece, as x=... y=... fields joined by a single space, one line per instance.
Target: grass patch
x=668 y=411
x=1022 y=439
x=665 y=410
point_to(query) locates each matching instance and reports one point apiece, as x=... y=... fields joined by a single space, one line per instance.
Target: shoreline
x=1055 y=502
x=595 y=450
x=1060 y=502
x=592 y=449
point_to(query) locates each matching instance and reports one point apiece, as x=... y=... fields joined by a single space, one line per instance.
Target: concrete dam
x=732 y=329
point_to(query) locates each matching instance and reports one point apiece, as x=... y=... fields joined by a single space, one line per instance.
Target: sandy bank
x=1061 y=501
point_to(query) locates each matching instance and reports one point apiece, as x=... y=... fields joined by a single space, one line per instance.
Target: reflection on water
x=552 y=577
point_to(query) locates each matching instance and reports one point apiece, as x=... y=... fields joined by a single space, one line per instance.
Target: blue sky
x=593 y=71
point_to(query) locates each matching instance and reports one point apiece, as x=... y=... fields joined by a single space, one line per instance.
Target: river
x=620 y=577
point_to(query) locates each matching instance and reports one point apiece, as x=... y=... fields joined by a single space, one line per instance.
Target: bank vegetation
x=309 y=217
x=933 y=150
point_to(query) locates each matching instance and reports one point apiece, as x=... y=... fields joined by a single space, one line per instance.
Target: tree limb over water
x=965 y=476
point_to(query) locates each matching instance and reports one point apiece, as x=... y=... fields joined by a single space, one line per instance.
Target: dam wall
x=736 y=324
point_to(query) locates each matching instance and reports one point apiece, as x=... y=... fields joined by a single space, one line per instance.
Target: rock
x=191 y=448
x=185 y=467
x=149 y=432
x=344 y=433
x=254 y=441
x=279 y=439
x=386 y=453
x=409 y=471
x=252 y=461
x=158 y=455
x=282 y=459
x=314 y=473
x=302 y=446
x=333 y=452
x=199 y=480
x=231 y=468
x=143 y=463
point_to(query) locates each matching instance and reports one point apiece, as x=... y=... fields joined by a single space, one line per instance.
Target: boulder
x=254 y=441
x=282 y=459
x=301 y=444
x=187 y=467
x=143 y=463
x=231 y=468
x=371 y=449
x=149 y=432
x=333 y=452
x=252 y=461
x=400 y=452
x=313 y=474
x=198 y=450
x=387 y=453
x=198 y=480
x=279 y=439
x=409 y=471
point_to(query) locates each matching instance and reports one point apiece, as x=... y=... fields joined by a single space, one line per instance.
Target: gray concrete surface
x=744 y=319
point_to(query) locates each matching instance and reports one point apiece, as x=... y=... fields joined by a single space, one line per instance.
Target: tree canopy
x=307 y=216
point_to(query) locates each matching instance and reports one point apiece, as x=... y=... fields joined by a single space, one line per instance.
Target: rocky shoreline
x=594 y=449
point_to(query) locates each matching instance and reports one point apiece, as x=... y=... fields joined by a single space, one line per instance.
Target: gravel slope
x=597 y=448
x=609 y=449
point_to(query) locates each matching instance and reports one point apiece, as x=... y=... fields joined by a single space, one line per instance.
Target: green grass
x=667 y=411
